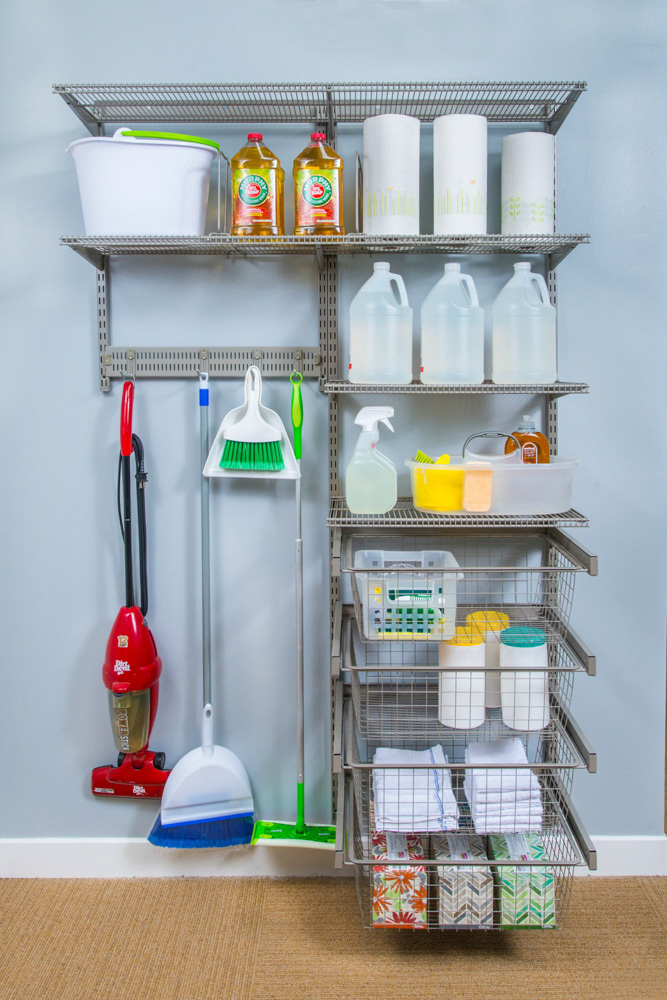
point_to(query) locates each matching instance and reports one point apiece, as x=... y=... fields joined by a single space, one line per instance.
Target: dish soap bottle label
x=254 y=194
x=318 y=197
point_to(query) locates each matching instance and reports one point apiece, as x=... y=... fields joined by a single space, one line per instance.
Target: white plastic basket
x=405 y=595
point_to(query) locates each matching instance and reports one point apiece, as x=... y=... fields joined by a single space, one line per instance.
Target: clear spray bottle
x=370 y=478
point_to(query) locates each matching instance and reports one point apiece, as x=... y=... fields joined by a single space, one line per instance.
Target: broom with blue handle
x=207 y=800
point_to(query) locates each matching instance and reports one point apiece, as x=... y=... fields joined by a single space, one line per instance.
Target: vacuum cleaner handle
x=126 y=419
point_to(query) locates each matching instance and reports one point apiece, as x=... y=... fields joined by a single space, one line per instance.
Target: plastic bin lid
x=523 y=636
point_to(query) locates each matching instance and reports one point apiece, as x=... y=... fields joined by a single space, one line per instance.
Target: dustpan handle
x=253 y=390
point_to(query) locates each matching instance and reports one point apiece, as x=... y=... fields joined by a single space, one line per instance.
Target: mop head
x=286 y=835
x=207 y=802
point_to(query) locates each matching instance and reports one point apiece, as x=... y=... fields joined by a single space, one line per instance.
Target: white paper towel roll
x=391 y=175
x=528 y=172
x=459 y=174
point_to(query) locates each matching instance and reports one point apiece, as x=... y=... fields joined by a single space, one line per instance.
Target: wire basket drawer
x=399 y=690
x=458 y=879
x=421 y=587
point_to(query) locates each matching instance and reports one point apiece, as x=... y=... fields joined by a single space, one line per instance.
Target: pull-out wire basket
x=401 y=693
x=400 y=594
x=457 y=877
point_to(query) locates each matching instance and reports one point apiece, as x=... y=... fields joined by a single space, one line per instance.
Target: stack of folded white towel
x=502 y=799
x=409 y=799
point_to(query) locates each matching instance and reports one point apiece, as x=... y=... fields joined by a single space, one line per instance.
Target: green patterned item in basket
x=526 y=892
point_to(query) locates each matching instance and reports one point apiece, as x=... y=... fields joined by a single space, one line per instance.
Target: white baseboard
x=134 y=857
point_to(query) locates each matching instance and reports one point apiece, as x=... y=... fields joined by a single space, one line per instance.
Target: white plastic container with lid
x=461 y=693
x=524 y=331
x=381 y=331
x=524 y=693
x=370 y=478
x=138 y=183
x=452 y=331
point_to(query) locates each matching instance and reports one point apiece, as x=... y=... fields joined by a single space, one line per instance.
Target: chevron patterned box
x=527 y=896
x=465 y=893
x=400 y=892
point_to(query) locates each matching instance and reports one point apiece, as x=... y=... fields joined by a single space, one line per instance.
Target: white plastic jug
x=381 y=331
x=452 y=331
x=524 y=331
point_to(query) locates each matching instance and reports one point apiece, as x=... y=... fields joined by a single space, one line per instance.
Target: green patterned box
x=465 y=892
x=526 y=892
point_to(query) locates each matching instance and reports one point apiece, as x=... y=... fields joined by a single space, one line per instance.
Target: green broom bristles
x=266 y=456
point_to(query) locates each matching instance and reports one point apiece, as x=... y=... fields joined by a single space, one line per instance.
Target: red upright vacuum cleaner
x=132 y=666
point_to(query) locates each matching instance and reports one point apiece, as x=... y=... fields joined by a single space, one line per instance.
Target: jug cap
x=255 y=136
x=381 y=265
x=452 y=268
x=522 y=266
x=488 y=621
x=318 y=136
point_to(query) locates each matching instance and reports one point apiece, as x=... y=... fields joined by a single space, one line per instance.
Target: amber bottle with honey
x=534 y=445
x=318 y=190
x=258 y=208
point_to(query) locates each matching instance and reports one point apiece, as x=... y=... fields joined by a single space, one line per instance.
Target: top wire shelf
x=333 y=103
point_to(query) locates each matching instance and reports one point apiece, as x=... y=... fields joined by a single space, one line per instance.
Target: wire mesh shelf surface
x=352 y=243
x=404 y=514
x=423 y=587
x=455 y=388
x=330 y=103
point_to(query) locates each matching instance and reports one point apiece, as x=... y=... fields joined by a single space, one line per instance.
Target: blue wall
x=62 y=569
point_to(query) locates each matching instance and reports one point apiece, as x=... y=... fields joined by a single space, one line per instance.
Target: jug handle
x=466 y=280
x=400 y=284
x=538 y=280
x=494 y=434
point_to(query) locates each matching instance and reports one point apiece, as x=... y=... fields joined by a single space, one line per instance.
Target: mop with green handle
x=277 y=834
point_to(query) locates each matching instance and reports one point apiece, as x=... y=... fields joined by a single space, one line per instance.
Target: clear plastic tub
x=516 y=488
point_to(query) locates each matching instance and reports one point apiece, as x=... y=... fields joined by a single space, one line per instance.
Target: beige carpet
x=301 y=939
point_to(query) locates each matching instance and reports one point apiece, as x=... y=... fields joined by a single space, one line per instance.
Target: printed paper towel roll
x=391 y=175
x=459 y=174
x=527 y=183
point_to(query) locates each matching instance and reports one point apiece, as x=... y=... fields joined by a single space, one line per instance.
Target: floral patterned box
x=400 y=891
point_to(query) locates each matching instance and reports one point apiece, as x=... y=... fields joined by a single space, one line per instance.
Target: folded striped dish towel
x=502 y=799
x=410 y=799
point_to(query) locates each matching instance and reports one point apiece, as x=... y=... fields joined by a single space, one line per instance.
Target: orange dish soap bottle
x=534 y=445
x=257 y=190
x=318 y=190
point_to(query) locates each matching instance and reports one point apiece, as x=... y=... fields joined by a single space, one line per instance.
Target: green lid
x=522 y=636
x=174 y=136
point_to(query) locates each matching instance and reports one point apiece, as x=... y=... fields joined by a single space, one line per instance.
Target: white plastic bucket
x=144 y=184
